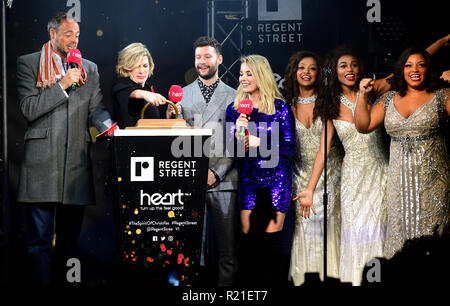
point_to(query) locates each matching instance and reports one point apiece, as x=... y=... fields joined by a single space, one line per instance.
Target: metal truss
x=225 y=23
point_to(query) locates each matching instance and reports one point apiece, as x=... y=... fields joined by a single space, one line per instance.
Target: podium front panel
x=161 y=185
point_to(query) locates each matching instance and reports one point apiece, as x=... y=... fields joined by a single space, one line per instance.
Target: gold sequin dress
x=418 y=185
x=307 y=244
x=363 y=210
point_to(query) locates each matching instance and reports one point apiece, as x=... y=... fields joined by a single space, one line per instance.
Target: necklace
x=309 y=100
x=347 y=102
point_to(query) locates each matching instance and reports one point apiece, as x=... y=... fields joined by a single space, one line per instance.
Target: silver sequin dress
x=418 y=192
x=363 y=210
x=307 y=245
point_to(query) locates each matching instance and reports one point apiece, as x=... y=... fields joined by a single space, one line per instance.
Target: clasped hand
x=366 y=86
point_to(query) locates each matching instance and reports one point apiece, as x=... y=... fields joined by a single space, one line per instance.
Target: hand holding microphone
x=175 y=96
x=245 y=109
x=156 y=99
x=73 y=74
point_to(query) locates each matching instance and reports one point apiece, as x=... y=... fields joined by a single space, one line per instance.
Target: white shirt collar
x=60 y=63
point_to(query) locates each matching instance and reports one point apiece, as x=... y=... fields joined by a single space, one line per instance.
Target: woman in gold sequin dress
x=364 y=169
x=303 y=83
x=418 y=189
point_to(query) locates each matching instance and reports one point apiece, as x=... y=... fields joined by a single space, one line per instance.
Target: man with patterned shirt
x=203 y=105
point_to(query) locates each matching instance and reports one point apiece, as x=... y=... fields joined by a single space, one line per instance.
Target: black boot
x=273 y=255
x=247 y=260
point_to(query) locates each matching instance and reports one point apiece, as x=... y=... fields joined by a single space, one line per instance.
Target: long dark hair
x=291 y=87
x=398 y=82
x=330 y=104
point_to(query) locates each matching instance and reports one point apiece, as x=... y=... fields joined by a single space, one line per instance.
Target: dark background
x=168 y=28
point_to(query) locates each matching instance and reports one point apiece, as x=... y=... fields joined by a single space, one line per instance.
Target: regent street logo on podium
x=141 y=169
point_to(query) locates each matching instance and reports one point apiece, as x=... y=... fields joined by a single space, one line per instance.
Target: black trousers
x=47 y=264
x=220 y=234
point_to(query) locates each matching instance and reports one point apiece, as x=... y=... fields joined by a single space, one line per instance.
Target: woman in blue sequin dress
x=265 y=173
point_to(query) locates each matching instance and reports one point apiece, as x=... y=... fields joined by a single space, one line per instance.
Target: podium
x=161 y=177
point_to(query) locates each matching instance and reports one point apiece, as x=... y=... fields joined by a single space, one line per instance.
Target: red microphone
x=74 y=60
x=175 y=93
x=245 y=107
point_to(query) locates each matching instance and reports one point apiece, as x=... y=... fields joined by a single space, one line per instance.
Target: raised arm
x=382 y=86
x=367 y=120
x=441 y=42
x=306 y=196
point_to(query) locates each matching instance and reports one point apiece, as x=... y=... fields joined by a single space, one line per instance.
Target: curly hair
x=398 y=82
x=291 y=87
x=330 y=104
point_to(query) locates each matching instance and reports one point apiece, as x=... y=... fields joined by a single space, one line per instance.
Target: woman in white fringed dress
x=304 y=81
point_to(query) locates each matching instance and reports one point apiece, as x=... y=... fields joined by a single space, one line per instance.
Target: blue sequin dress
x=269 y=165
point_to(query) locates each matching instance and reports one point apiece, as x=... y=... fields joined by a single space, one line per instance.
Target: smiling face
x=415 y=71
x=247 y=81
x=207 y=62
x=140 y=74
x=66 y=37
x=347 y=70
x=307 y=72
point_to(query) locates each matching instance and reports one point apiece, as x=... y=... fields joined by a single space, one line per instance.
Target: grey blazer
x=56 y=164
x=212 y=115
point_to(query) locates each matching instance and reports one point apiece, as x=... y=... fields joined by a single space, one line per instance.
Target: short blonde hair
x=131 y=56
x=262 y=73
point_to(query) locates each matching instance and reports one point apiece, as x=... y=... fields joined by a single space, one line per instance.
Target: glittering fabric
x=418 y=192
x=252 y=171
x=363 y=210
x=307 y=243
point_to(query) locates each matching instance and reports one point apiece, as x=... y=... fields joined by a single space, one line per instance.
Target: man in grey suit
x=203 y=105
x=55 y=177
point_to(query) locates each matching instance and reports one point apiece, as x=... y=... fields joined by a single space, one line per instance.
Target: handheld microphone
x=74 y=60
x=245 y=107
x=175 y=95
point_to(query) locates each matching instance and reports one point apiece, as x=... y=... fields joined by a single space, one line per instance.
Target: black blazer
x=127 y=111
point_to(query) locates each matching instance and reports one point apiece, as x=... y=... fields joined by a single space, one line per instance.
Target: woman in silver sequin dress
x=418 y=190
x=303 y=83
x=364 y=169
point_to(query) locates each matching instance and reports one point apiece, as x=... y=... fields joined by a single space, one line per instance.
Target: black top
x=128 y=110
